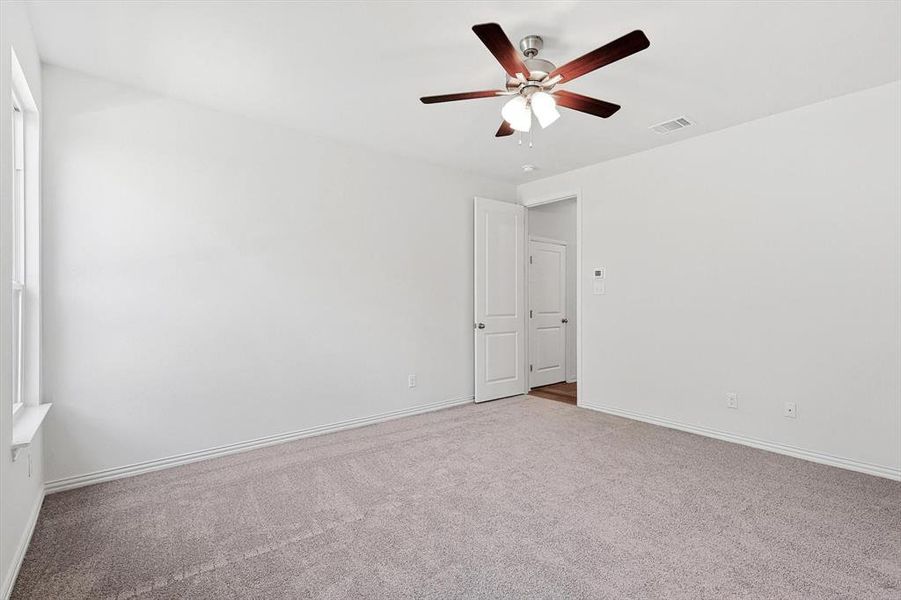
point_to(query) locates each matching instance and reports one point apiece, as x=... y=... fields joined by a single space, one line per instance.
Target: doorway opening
x=527 y=292
x=552 y=294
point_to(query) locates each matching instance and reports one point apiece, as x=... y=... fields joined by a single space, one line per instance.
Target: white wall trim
x=779 y=448
x=547 y=240
x=13 y=572
x=68 y=483
x=555 y=197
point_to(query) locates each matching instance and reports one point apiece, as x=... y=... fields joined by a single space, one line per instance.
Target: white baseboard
x=817 y=457
x=19 y=556
x=68 y=483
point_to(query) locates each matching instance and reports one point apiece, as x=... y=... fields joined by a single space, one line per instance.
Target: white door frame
x=548 y=199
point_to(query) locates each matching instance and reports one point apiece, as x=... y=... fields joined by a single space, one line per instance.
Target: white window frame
x=18 y=254
x=22 y=370
x=22 y=385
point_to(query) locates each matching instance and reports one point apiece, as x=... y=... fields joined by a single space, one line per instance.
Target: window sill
x=27 y=421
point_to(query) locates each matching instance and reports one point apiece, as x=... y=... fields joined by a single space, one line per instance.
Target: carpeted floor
x=519 y=498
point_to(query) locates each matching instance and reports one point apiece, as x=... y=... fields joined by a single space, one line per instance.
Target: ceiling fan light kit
x=532 y=80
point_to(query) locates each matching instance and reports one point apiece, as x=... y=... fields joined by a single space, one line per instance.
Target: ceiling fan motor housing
x=538 y=71
x=539 y=68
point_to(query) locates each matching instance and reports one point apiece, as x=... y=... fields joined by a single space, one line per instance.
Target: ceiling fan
x=532 y=81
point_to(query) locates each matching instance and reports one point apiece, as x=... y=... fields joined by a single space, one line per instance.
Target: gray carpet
x=520 y=498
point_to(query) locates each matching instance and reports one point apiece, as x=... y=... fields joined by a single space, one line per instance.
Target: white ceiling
x=355 y=71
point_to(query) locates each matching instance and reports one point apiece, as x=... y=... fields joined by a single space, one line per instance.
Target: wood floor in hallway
x=561 y=392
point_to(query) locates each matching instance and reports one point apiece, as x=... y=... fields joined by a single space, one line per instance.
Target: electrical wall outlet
x=411 y=381
x=732 y=400
x=790 y=410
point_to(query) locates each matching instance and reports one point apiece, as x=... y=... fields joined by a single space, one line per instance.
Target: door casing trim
x=573 y=194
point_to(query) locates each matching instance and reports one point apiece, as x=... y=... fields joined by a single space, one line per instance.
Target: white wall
x=557 y=221
x=763 y=259
x=211 y=280
x=20 y=491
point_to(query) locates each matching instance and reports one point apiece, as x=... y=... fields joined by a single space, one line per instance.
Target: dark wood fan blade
x=500 y=46
x=462 y=96
x=620 y=48
x=585 y=104
x=504 y=130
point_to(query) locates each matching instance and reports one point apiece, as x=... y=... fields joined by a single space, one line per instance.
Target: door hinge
x=530 y=313
x=530 y=368
x=530 y=259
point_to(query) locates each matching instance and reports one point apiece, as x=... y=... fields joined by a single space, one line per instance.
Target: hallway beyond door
x=561 y=392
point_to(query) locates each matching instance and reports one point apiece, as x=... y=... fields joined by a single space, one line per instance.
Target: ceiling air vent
x=672 y=125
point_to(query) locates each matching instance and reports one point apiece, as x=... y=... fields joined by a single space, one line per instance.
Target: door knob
x=564 y=320
x=480 y=325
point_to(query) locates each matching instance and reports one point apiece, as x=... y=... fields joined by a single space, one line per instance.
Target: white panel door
x=499 y=300
x=547 y=313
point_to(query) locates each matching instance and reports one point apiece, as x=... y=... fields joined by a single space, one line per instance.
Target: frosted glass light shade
x=516 y=112
x=545 y=108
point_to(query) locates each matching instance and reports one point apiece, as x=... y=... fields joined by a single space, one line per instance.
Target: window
x=23 y=237
x=18 y=251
